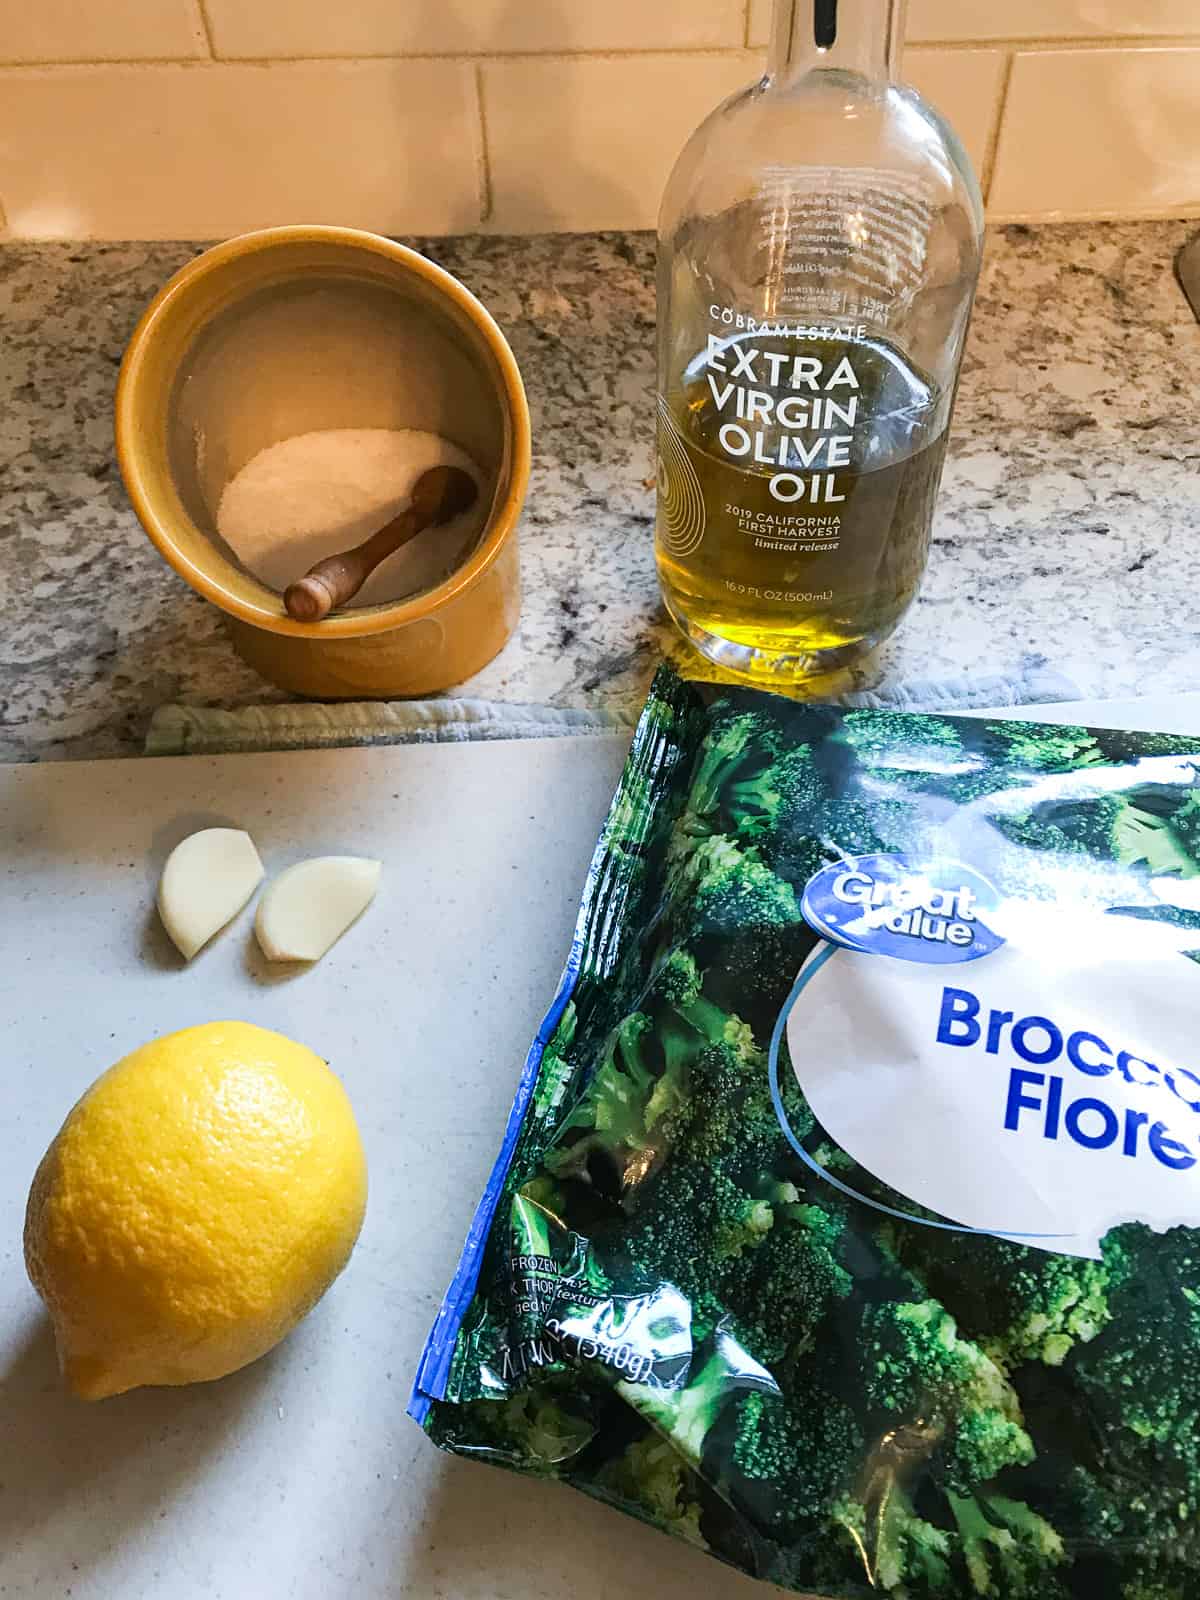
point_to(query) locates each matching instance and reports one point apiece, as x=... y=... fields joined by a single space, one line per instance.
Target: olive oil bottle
x=819 y=247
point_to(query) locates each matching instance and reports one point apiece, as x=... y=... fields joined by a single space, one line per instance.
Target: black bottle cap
x=825 y=23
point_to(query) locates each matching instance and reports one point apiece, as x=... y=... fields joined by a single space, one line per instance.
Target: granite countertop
x=1067 y=535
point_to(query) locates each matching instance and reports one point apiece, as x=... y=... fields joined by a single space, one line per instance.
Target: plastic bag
x=846 y=1222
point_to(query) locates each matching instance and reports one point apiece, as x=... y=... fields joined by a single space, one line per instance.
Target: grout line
x=666 y=52
x=1123 y=42
x=1058 y=219
x=205 y=26
x=1132 y=45
x=747 y=22
x=50 y=67
x=483 y=161
x=994 y=132
x=555 y=54
x=1129 y=46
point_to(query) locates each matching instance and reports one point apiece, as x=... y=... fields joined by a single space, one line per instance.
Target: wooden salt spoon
x=438 y=496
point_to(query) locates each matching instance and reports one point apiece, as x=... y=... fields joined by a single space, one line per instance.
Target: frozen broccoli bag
x=847 y=1223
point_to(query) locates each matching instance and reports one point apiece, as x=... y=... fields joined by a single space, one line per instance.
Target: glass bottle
x=819 y=247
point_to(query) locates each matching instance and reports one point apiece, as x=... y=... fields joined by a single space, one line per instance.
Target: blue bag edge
x=437 y=1355
x=433 y=1371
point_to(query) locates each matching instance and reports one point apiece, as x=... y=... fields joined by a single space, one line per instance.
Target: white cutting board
x=301 y=1477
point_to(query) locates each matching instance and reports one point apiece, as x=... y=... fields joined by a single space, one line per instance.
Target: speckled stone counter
x=1068 y=532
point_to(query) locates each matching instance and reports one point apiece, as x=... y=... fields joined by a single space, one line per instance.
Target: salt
x=319 y=493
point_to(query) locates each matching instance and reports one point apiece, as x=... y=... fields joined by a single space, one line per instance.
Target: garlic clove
x=308 y=907
x=207 y=880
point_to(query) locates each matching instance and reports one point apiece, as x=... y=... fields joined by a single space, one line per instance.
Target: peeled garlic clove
x=308 y=908
x=207 y=880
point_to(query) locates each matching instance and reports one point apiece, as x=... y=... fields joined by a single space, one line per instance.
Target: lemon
x=197 y=1202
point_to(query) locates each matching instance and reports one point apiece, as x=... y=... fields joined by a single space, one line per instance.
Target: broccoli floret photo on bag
x=847 y=1223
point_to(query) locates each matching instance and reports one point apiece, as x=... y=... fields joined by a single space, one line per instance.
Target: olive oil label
x=856 y=250
x=794 y=414
x=798 y=466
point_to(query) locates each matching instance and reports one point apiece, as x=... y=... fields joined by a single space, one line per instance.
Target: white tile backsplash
x=131 y=30
x=979 y=21
x=1095 y=133
x=170 y=152
x=167 y=118
x=470 y=27
x=1052 y=19
x=567 y=151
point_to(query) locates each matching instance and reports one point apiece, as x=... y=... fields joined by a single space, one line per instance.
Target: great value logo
x=933 y=912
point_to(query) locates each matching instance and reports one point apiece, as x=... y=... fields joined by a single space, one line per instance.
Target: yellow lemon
x=197 y=1202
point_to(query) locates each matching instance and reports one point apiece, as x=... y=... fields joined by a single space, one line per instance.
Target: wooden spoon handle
x=439 y=495
x=337 y=579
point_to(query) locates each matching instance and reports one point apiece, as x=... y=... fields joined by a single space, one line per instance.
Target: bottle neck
x=862 y=36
